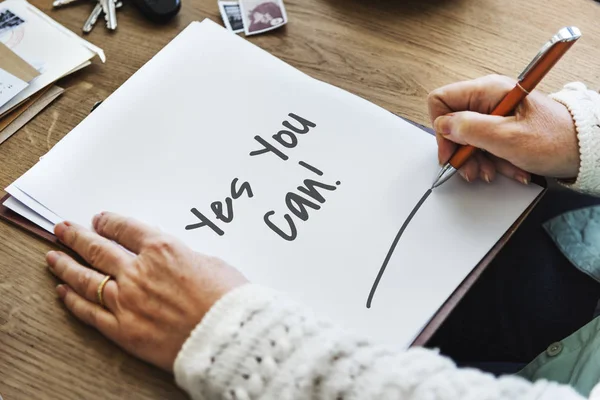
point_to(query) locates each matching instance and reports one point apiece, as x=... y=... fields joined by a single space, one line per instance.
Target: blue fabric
x=577 y=235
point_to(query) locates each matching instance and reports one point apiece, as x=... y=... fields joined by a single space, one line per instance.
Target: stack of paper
x=35 y=51
x=300 y=185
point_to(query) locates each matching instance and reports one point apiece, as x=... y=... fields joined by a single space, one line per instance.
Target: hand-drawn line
x=394 y=243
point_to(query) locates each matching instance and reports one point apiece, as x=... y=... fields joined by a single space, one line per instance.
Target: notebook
x=300 y=185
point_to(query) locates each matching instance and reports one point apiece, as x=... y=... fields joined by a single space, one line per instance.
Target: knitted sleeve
x=584 y=106
x=256 y=344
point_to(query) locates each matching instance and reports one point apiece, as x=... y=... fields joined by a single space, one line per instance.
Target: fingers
x=470 y=171
x=96 y=250
x=128 y=232
x=445 y=148
x=487 y=169
x=492 y=133
x=509 y=170
x=84 y=281
x=90 y=313
x=479 y=95
x=487 y=166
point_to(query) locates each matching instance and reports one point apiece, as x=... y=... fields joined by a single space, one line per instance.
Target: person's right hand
x=539 y=138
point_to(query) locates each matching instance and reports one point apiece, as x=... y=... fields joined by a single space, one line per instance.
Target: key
x=91 y=20
x=110 y=14
x=60 y=3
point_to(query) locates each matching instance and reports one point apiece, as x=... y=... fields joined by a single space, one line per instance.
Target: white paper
x=167 y=142
x=47 y=98
x=21 y=209
x=33 y=205
x=10 y=86
x=46 y=42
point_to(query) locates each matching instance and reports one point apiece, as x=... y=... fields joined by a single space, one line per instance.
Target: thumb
x=483 y=131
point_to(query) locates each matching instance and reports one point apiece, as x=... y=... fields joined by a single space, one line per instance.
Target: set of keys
x=106 y=7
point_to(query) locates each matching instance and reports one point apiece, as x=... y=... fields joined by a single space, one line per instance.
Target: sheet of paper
x=32 y=205
x=21 y=209
x=45 y=44
x=15 y=65
x=333 y=177
x=26 y=111
x=10 y=86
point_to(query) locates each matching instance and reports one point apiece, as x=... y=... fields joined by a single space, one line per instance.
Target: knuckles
x=434 y=96
x=497 y=80
x=92 y=316
x=84 y=280
x=96 y=253
x=71 y=237
x=161 y=245
x=118 y=228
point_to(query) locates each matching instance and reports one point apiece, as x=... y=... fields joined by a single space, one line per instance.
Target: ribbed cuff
x=216 y=330
x=584 y=106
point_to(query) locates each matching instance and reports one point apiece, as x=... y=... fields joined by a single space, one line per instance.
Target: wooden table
x=391 y=52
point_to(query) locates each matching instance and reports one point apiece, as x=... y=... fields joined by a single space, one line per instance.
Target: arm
x=225 y=338
x=254 y=343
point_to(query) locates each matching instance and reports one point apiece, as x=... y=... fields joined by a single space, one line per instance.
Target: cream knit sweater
x=257 y=344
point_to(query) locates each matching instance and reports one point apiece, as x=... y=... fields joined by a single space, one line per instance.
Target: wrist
x=584 y=108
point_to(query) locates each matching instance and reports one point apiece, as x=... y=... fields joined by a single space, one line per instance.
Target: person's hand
x=159 y=292
x=539 y=138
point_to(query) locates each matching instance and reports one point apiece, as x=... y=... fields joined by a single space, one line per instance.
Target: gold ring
x=101 y=290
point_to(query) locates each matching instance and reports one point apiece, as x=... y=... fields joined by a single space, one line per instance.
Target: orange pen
x=543 y=62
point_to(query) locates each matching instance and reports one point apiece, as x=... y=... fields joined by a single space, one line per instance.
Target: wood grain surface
x=391 y=52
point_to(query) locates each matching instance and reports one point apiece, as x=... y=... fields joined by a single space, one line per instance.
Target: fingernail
x=465 y=176
x=442 y=124
x=60 y=229
x=523 y=179
x=51 y=258
x=95 y=220
x=486 y=178
x=61 y=290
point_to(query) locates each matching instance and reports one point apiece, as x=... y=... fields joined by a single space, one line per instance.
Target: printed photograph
x=261 y=15
x=232 y=15
x=8 y=20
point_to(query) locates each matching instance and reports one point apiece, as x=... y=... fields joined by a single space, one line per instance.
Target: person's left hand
x=159 y=292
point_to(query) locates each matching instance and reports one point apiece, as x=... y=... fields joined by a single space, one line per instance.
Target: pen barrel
x=505 y=107
x=460 y=157
x=510 y=102
x=545 y=64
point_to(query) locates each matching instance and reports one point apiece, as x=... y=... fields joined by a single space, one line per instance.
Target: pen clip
x=567 y=34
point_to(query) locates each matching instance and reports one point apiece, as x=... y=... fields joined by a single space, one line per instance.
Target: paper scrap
x=10 y=86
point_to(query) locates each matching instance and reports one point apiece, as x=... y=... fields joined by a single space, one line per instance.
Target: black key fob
x=158 y=10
